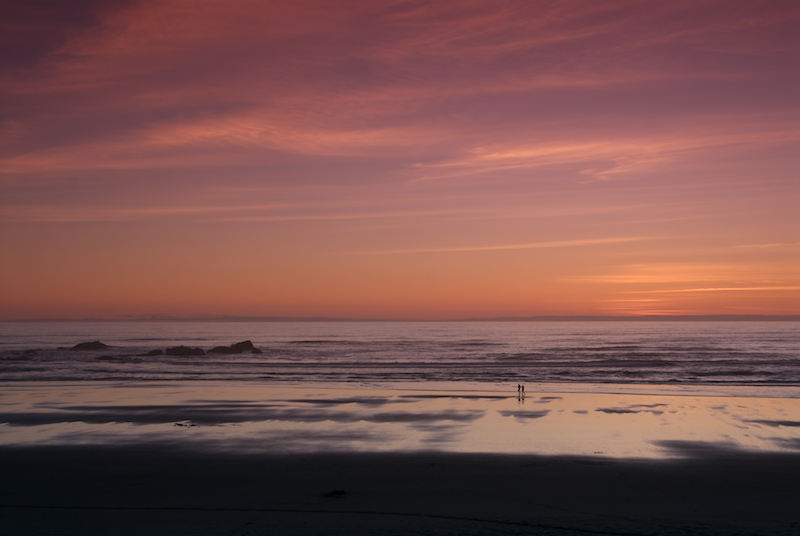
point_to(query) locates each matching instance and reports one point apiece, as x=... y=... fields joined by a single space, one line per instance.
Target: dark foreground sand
x=162 y=490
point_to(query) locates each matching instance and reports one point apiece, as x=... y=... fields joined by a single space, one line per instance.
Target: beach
x=193 y=458
x=128 y=490
x=394 y=428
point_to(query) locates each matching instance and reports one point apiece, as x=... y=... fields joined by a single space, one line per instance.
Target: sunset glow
x=399 y=160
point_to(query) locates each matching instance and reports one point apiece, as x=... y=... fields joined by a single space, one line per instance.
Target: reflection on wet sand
x=280 y=419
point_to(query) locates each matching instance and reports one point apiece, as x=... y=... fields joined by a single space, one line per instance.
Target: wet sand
x=200 y=458
x=637 y=422
x=156 y=490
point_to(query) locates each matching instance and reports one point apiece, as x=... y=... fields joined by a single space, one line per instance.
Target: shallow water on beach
x=279 y=420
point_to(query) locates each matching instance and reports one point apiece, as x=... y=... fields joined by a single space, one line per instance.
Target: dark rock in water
x=242 y=346
x=30 y=352
x=184 y=350
x=238 y=348
x=96 y=345
x=154 y=352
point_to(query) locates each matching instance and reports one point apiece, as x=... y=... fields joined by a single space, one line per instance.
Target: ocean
x=378 y=353
x=611 y=389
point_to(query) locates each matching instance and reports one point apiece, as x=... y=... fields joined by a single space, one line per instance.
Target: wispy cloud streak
x=720 y=289
x=532 y=245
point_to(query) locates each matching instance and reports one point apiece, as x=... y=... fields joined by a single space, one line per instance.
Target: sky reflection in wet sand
x=293 y=420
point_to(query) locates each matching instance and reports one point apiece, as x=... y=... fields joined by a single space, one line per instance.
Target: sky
x=399 y=159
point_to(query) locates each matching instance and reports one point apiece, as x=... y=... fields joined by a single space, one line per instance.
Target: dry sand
x=160 y=490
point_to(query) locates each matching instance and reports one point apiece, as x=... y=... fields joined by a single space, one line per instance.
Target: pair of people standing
x=520 y=390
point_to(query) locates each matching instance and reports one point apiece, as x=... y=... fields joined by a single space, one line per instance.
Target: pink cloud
x=491 y=127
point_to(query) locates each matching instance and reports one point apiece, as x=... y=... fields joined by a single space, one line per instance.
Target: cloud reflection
x=634 y=408
x=524 y=415
x=699 y=449
x=223 y=414
x=774 y=424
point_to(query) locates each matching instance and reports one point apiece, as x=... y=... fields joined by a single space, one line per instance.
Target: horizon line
x=535 y=318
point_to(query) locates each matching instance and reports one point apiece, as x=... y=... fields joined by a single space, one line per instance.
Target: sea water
x=369 y=353
x=613 y=389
